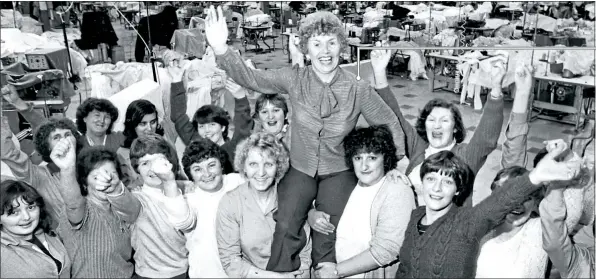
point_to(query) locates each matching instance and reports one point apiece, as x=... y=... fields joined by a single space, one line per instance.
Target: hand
x=163 y=169
x=548 y=169
x=176 y=72
x=237 y=91
x=64 y=154
x=295 y=53
x=524 y=76
x=319 y=221
x=11 y=95
x=105 y=181
x=326 y=270
x=216 y=30
x=396 y=175
x=498 y=68
x=556 y=147
x=379 y=58
x=6 y=132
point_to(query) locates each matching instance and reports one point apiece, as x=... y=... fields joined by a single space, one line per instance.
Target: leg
x=295 y=193
x=334 y=191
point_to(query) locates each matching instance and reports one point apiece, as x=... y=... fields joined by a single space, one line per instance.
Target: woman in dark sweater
x=440 y=125
x=442 y=238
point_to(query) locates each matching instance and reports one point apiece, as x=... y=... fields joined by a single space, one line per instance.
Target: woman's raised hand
x=379 y=58
x=548 y=169
x=216 y=30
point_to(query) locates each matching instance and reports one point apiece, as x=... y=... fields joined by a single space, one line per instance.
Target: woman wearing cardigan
x=326 y=104
x=29 y=248
x=245 y=223
x=440 y=125
x=371 y=230
x=443 y=238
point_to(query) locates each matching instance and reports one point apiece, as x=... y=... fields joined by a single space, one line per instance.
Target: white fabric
x=6 y=170
x=9 y=17
x=521 y=256
x=354 y=231
x=203 y=255
x=146 y=89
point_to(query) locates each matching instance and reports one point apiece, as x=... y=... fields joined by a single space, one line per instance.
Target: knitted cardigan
x=449 y=248
x=474 y=153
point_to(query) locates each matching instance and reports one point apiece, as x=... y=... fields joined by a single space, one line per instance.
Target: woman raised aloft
x=326 y=104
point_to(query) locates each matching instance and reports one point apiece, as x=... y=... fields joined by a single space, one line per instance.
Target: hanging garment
x=162 y=28
x=96 y=28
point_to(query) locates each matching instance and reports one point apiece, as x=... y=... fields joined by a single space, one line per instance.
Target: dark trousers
x=296 y=192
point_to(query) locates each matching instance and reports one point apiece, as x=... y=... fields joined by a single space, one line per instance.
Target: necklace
x=91 y=143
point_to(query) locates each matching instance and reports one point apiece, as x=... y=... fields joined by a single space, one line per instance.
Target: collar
x=431 y=150
x=7 y=239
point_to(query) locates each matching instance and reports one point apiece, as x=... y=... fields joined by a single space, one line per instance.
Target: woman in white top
x=372 y=227
x=202 y=162
x=513 y=249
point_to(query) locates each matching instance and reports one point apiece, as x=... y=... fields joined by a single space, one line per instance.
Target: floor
x=413 y=95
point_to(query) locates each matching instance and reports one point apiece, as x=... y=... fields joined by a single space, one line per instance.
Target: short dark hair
x=212 y=113
x=202 y=149
x=459 y=130
x=89 y=159
x=41 y=137
x=153 y=144
x=134 y=115
x=373 y=139
x=11 y=190
x=90 y=104
x=454 y=167
x=277 y=100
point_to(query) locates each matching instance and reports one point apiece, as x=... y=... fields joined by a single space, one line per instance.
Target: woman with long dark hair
x=140 y=119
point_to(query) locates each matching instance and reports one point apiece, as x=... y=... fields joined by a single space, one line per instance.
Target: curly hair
x=101 y=105
x=41 y=137
x=212 y=113
x=134 y=115
x=450 y=165
x=202 y=149
x=373 y=139
x=153 y=144
x=267 y=144
x=459 y=130
x=90 y=159
x=12 y=190
x=321 y=23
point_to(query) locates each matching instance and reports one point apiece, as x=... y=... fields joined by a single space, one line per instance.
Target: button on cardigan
x=322 y=113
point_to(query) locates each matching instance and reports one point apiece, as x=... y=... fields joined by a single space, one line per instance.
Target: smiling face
x=212 y=131
x=272 y=118
x=260 y=170
x=22 y=220
x=145 y=169
x=440 y=127
x=521 y=214
x=323 y=51
x=102 y=167
x=438 y=191
x=368 y=167
x=147 y=125
x=207 y=174
x=98 y=122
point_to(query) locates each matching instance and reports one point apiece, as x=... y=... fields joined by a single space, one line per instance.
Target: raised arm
x=17 y=160
x=564 y=254
x=377 y=112
x=64 y=156
x=516 y=133
x=26 y=110
x=491 y=211
x=176 y=206
x=267 y=82
x=186 y=131
x=243 y=122
x=379 y=61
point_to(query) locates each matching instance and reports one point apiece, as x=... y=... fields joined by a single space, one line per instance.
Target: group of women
x=290 y=195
